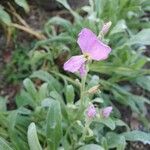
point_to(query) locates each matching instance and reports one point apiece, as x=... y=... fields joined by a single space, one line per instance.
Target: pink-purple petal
x=82 y=70
x=99 y=51
x=91 y=45
x=86 y=38
x=74 y=63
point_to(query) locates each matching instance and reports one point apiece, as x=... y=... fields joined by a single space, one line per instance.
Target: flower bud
x=105 y=28
x=93 y=89
x=91 y=111
x=106 y=111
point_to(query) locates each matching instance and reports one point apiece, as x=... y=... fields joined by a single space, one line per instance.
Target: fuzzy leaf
x=33 y=138
x=4 y=16
x=141 y=37
x=91 y=147
x=23 y=4
x=137 y=136
x=4 y=145
x=70 y=94
x=54 y=127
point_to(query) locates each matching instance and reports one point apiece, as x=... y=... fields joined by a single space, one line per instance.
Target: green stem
x=85 y=130
x=82 y=93
x=82 y=89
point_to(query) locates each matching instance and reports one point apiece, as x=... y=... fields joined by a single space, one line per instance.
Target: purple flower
x=105 y=28
x=106 y=111
x=91 y=111
x=92 y=49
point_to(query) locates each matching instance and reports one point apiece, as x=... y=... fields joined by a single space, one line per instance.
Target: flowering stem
x=82 y=90
x=82 y=93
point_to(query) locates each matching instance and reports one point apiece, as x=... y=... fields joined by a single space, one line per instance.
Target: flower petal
x=74 y=63
x=90 y=44
x=82 y=70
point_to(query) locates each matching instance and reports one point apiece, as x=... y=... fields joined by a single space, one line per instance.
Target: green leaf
x=4 y=16
x=24 y=98
x=70 y=95
x=53 y=126
x=43 y=91
x=91 y=147
x=33 y=138
x=137 y=136
x=108 y=122
x=3 y=104
x=29 y=86
x=23 y=4
x=59 y=21
x=14 y=133
x=141 y=38
x=115 y=141
x=144 y=82
x=66 y=5
x=45 y=76
x=55 y=95
x=46 y=102
x=120 y=27
x=119 y=122
x=12 y=119
x=4 y=144
x=37 y=56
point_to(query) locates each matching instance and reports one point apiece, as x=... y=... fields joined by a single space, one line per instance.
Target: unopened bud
x=93 y=89
x=105 y=28
x=106 y=111
x=91 y=111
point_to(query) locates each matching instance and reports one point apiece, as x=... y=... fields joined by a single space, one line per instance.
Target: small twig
x=29 y=30
x=25 y=27
x=13 y=11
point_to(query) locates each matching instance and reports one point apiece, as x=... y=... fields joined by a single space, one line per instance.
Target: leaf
x=59 y=21
x=108 y=122
x=120 y=27
x=4 y=144
x=2 y=104
x=119 y=122
x=55 y=95
x=29 y=86
x=12 y=119
x=91 y=147
x=43 y=91
x=53 y=126
x=45 y=76
x=141 y=37
x=115 y=141
x=24 y=99
x=23 y=4
x=70 y=94
x=33 y=138
x=144 y=82
x=4 y=16
x=46 y=102
x=66 y=5
x=37 y=56
x=14 y=133
x=137 y=136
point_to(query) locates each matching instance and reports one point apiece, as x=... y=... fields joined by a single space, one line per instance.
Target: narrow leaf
x=33 y=138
